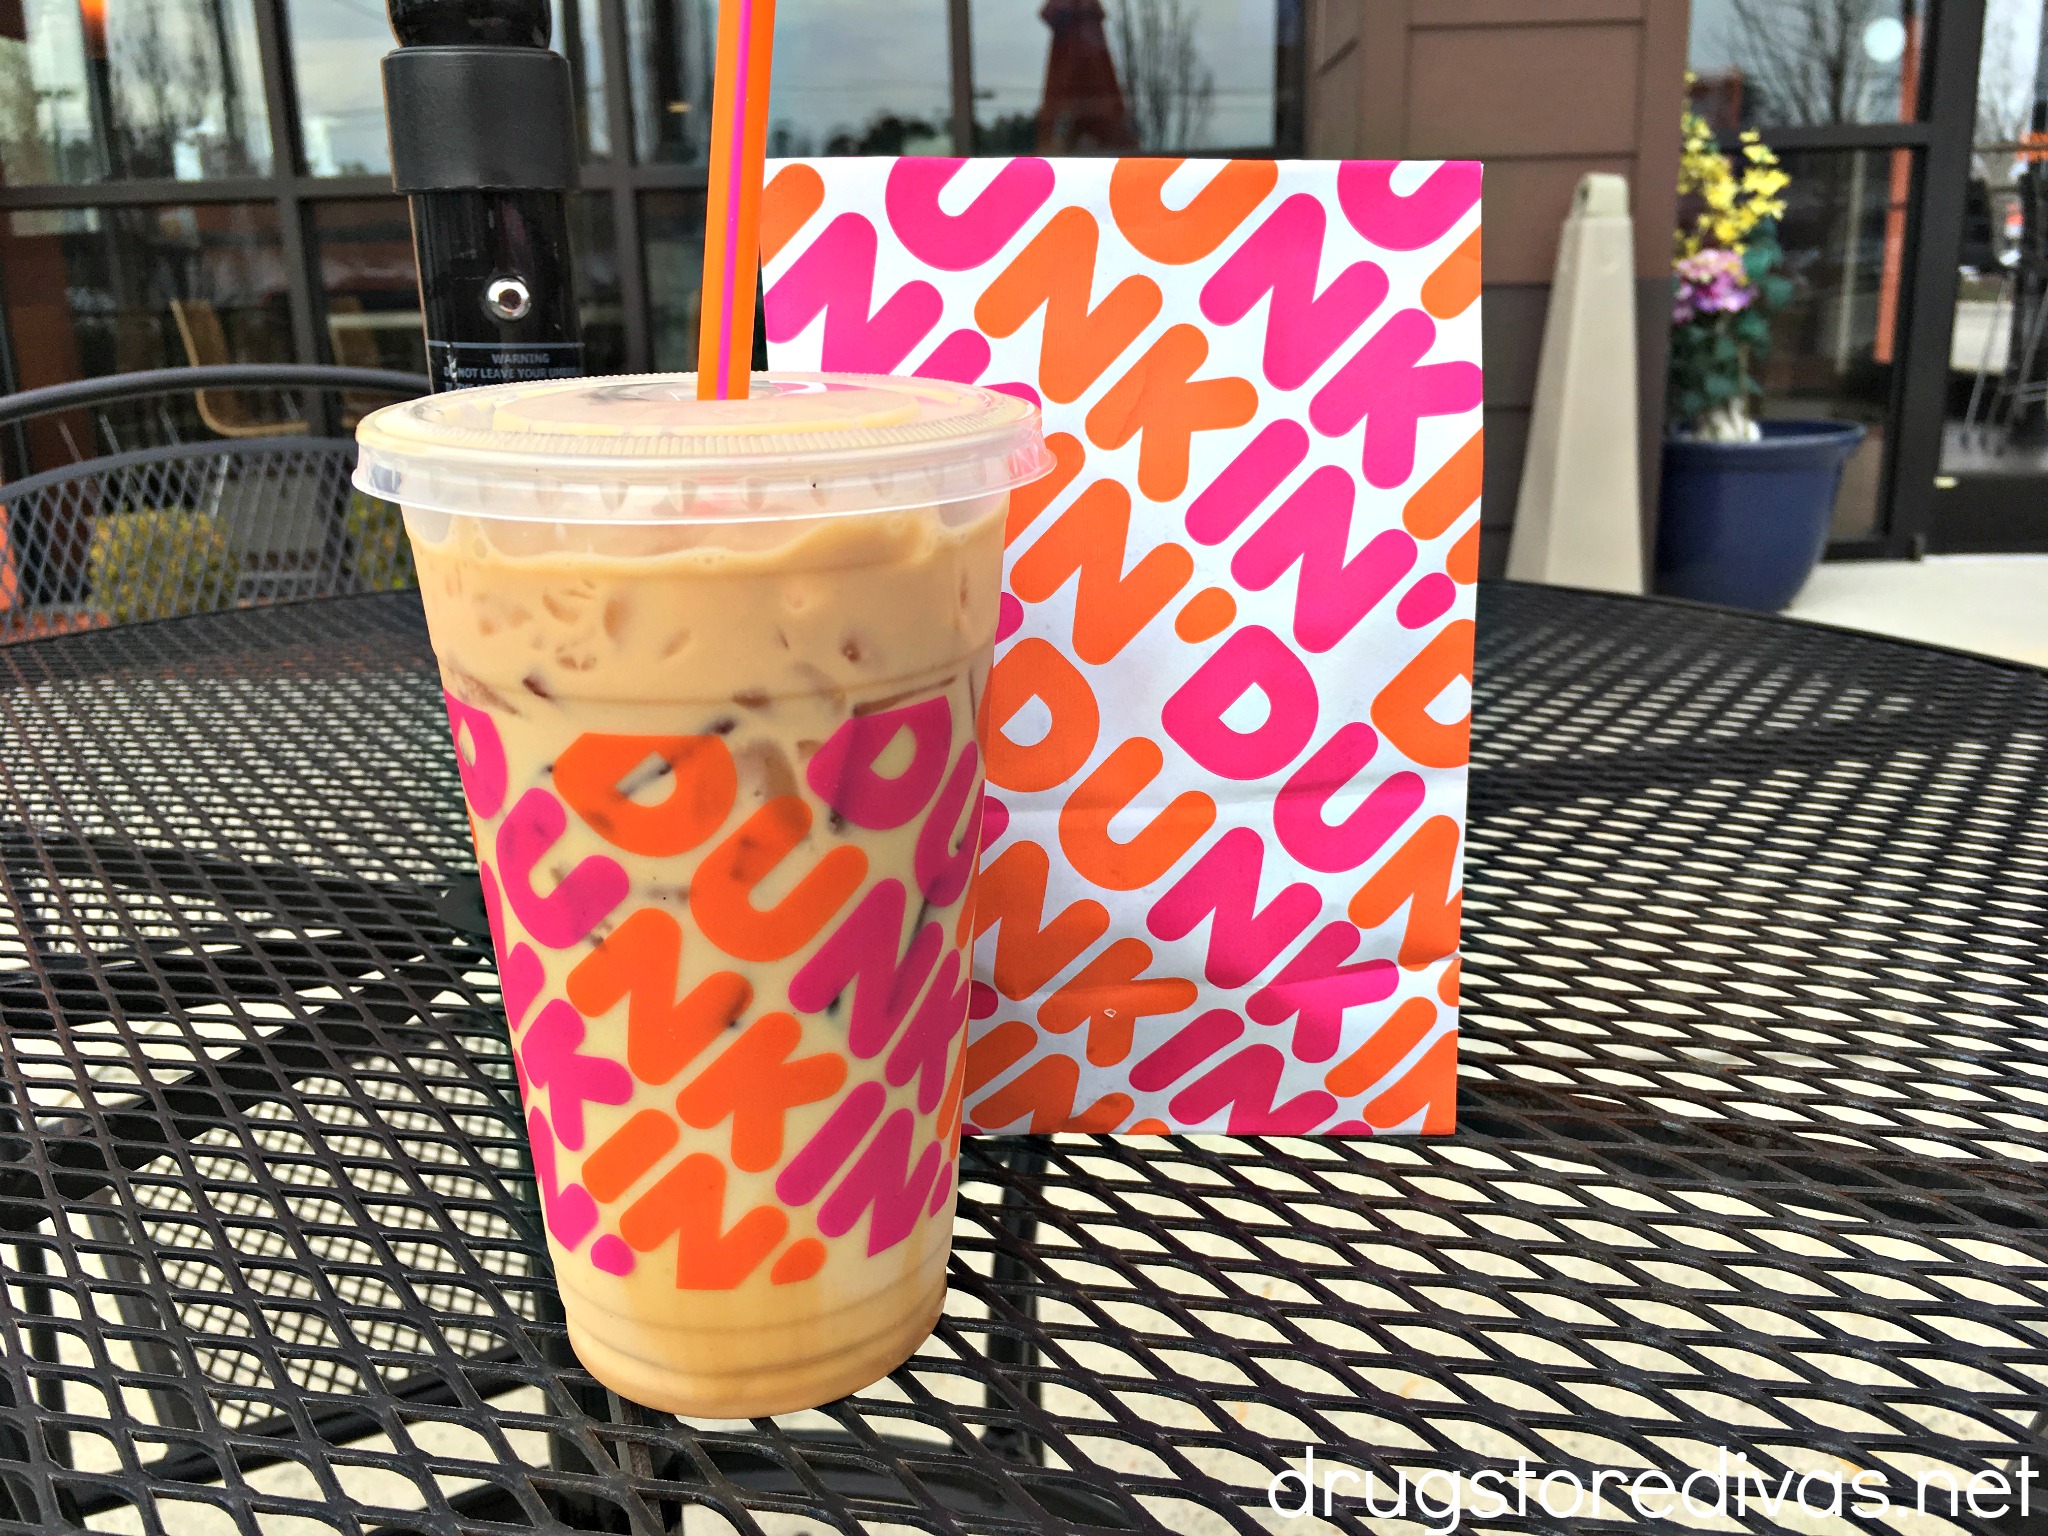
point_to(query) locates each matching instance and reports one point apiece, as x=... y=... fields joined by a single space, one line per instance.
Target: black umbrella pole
x=483 y=145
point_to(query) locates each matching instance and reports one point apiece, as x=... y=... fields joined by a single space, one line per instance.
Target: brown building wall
x=1543 y=91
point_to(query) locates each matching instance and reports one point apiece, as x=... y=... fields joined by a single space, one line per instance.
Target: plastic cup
x=715 y=672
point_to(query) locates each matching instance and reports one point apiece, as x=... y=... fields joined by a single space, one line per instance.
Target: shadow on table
x=116 y=1152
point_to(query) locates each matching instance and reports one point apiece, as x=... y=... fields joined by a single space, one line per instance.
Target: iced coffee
x=714 y=672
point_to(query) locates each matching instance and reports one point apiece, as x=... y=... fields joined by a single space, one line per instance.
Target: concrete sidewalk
x=1997 y=604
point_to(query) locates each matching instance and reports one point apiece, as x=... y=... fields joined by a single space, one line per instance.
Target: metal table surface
x=1752 y=1133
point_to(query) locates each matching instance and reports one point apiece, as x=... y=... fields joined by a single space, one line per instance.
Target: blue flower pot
x=1743 y=524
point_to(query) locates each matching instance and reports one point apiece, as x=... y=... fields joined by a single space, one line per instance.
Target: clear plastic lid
x=646 y=450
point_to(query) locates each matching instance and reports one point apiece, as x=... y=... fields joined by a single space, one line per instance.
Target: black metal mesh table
x=1753 y=1129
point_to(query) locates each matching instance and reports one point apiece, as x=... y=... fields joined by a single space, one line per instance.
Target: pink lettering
x=551 y=1060
x=1187 y=1050
x=927 y=1045
x=583 y=898
x=1281 y=258
x=843 y=775
x=1311 y=530
x=861 y=956
x=569 y=1210
x=959 y=242
x=962 y=357
x=1427 y=601
x=943 y=869
x=1298 y=808
x=1315 y=987
x=1246 y=481
x=1253 y=657
x=482 y=764
x=826 y=1153
x=884 y=1181
x=1365 y=190
x=835 y=278
x=1388 y=387
x=1222 y=888
x=1246 y=1085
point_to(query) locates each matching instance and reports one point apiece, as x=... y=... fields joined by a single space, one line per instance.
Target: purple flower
x=1710 y=283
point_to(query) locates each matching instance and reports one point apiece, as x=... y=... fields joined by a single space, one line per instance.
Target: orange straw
x=732 y=212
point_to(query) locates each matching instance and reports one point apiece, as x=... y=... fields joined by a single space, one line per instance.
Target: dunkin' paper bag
x=1226 y=775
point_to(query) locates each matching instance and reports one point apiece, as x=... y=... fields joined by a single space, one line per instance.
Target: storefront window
x=866 y=79
x=596 y=251
x=338 y=47
x=98 y=90
x=1103 y=76
x=672 y=226
x=1834 y=346
x=1807 y=63
x=369 y=285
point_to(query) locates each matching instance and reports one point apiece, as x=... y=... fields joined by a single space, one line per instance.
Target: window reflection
x=1998 y=362
x=867 y=79
x=92 y=90
x=337 y=51
x=1767 y=63
x=596 y=252
x=1107 y=76
x=672 y=227
x=1834 y=345
x=104 y=287
x=369 y=284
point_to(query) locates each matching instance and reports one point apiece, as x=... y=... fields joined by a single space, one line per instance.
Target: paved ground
x=1997 y=604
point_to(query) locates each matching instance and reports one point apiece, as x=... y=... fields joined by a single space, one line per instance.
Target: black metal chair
x=121 y=502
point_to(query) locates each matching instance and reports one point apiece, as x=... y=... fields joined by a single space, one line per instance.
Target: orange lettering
x=1393 y=1040
x=1104 y=795
x=640 y=960
x=1439 y=500
x=1034 y=668
x=1452 y=287
x=1431 y=1085
x=1177 y=236
x=1045 y=1092
x=593 y=772
x=1402 y=709
x=1028 y=501
x=1110 y=995
x=1089 y=542
x=628 y=1153
x=1010 y=898
x=787 y=204
x=1161 y=399
x=1418 y=877
x=721 y=893
x=994 y=1053
x=755 y=1085
x=689 y=1203
x=1056 y=272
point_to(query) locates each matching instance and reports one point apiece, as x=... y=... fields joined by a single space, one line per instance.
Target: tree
x=1805 y=58
x=1170 y=91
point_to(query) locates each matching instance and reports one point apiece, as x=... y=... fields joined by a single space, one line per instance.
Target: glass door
x=1991 y=491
